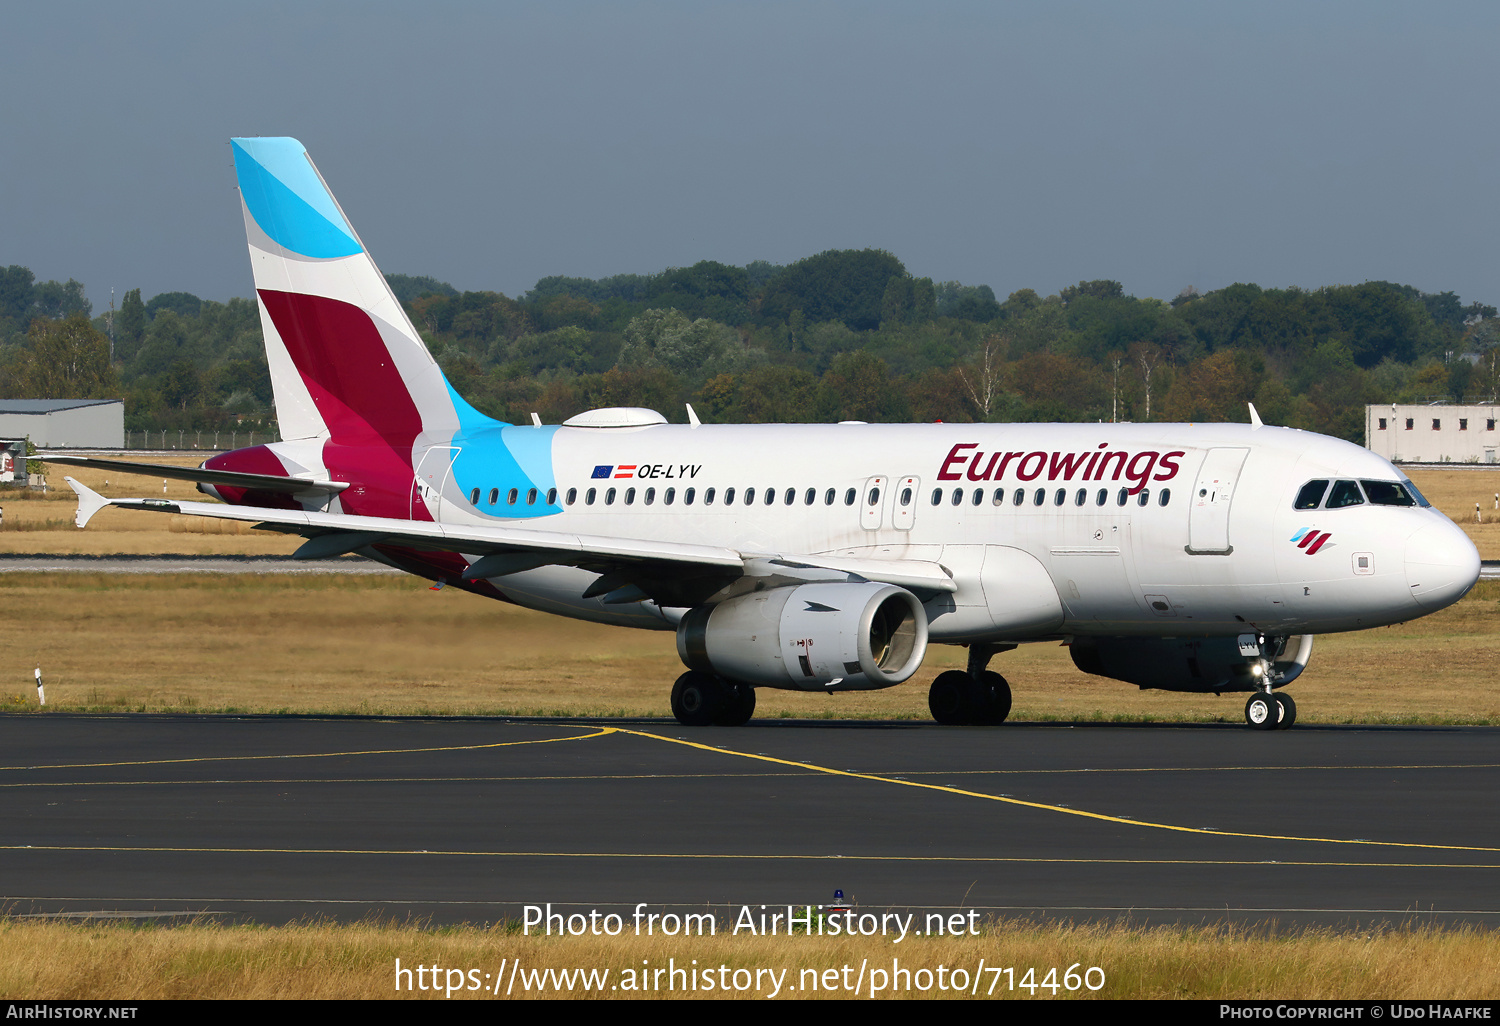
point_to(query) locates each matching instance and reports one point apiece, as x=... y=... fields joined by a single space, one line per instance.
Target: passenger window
x=1344 y=493
x=978 y=496
x=514 y=494
x=828 y=497
x=937 y=496
x=572 y=496
x=688 y=496
x=1081 y=496
x=874 y=499
x=474 y=497
x=650 y=496
x=609 y=497
x=669 y=496
x=531 y=497
x=1145 y=497
x=849 y=497
x=770 y=496
x=1310 y=495
x=790 y=498
x=1019 y=497
x=630 y=496
x=906 y=496
x=494 y=496
x=708 y=497
x=749 y=497
x=1122 y=497
x=1040 y=497
x=1102 y=497
x=728 y=496
x=1165 y=497
x=588 y=499
x=810 y=497
x=958 y=496
x=1059 y=497
x=999 y=499
x=552 y=496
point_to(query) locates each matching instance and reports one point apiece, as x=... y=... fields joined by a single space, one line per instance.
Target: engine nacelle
x=1191 y=664
x=809 y=637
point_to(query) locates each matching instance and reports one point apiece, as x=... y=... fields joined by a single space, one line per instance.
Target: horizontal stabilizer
x=202 y=475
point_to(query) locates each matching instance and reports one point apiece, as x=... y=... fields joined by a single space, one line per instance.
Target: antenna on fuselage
x=692 y=417
x=535 y=420
x=1255 y=420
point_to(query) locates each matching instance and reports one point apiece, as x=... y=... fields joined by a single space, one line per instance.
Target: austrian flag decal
x=1310 y=540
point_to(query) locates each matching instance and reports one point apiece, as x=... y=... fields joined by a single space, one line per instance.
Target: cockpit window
x=1344 y=493
x=1388 y=493
x=1421 y=499
x=1310 y=495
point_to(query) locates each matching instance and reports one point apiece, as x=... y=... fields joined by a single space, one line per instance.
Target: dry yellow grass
x=378 y=644
x=81 y=961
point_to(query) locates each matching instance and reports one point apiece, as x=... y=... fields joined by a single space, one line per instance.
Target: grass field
x=83 y=960
x=390 y=645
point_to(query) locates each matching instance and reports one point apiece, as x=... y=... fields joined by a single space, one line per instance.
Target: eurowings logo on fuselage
x=1138 y=467
x=1310 y=539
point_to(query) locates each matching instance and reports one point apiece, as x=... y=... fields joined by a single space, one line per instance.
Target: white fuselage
x=1150 y=529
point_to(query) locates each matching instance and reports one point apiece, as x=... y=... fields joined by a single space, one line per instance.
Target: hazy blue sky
x=1009 y=144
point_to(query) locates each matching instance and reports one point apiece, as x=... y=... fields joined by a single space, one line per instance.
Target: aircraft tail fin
x=346 y=363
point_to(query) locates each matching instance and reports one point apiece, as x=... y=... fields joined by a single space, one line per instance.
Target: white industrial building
x=1434 y=433
x=55 y=423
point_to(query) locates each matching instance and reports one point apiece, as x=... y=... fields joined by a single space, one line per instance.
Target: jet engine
x=810 y=637
x=1193 y=664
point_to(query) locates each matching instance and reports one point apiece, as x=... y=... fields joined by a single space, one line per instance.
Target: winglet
x=1255 y=420
x=89 y=502
x=693 y=416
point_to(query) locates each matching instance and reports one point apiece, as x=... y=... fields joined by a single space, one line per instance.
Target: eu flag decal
x=602 y=471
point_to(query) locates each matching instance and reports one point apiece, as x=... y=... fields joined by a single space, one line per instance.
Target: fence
x=211 y=440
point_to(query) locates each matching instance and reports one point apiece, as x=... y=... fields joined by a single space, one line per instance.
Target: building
x=54 y=423
x=1434 y=433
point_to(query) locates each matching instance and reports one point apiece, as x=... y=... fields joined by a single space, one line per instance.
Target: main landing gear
x=702 y=699
x=1267 y=711
x=977 y=696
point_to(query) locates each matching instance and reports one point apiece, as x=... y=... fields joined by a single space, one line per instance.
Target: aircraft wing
x=262 y=482
x=504 y=550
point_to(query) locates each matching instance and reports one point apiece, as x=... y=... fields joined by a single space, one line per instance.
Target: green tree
x=130 y=326
x=67 y=359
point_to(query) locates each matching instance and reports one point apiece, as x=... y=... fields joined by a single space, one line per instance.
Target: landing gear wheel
x=1261 y=711
x=993 y=694
x=948 y=697
x=1288 y=710
x=738 y=705
x=697 y=698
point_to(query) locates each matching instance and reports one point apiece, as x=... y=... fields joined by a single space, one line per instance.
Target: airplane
x=1186 y=557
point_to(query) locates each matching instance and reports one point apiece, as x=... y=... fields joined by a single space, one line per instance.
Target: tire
x=1288 y=712
x=1261 y=711
x=994 y=691
x=697 y=698
x=738 y=705
x=947 y=699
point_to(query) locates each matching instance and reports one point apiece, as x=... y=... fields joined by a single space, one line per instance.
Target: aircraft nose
x=1441 y=565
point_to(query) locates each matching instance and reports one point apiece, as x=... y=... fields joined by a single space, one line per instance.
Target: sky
x=1015 y=145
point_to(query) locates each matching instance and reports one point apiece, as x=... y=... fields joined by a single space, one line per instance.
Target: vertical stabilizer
x=346 y=363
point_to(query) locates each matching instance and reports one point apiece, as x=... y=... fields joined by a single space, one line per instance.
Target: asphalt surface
x=274 y=819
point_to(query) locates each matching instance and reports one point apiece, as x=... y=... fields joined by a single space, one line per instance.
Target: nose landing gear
x=1267 y=711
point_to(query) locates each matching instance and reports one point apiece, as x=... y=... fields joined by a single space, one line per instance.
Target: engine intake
x=809 y=637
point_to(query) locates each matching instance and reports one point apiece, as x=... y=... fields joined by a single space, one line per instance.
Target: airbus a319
x=1189 y=557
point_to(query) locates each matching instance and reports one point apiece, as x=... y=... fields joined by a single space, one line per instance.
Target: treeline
x=843 y=335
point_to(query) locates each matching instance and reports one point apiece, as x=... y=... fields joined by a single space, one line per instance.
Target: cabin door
x=1208 y=506
x=432 y=475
